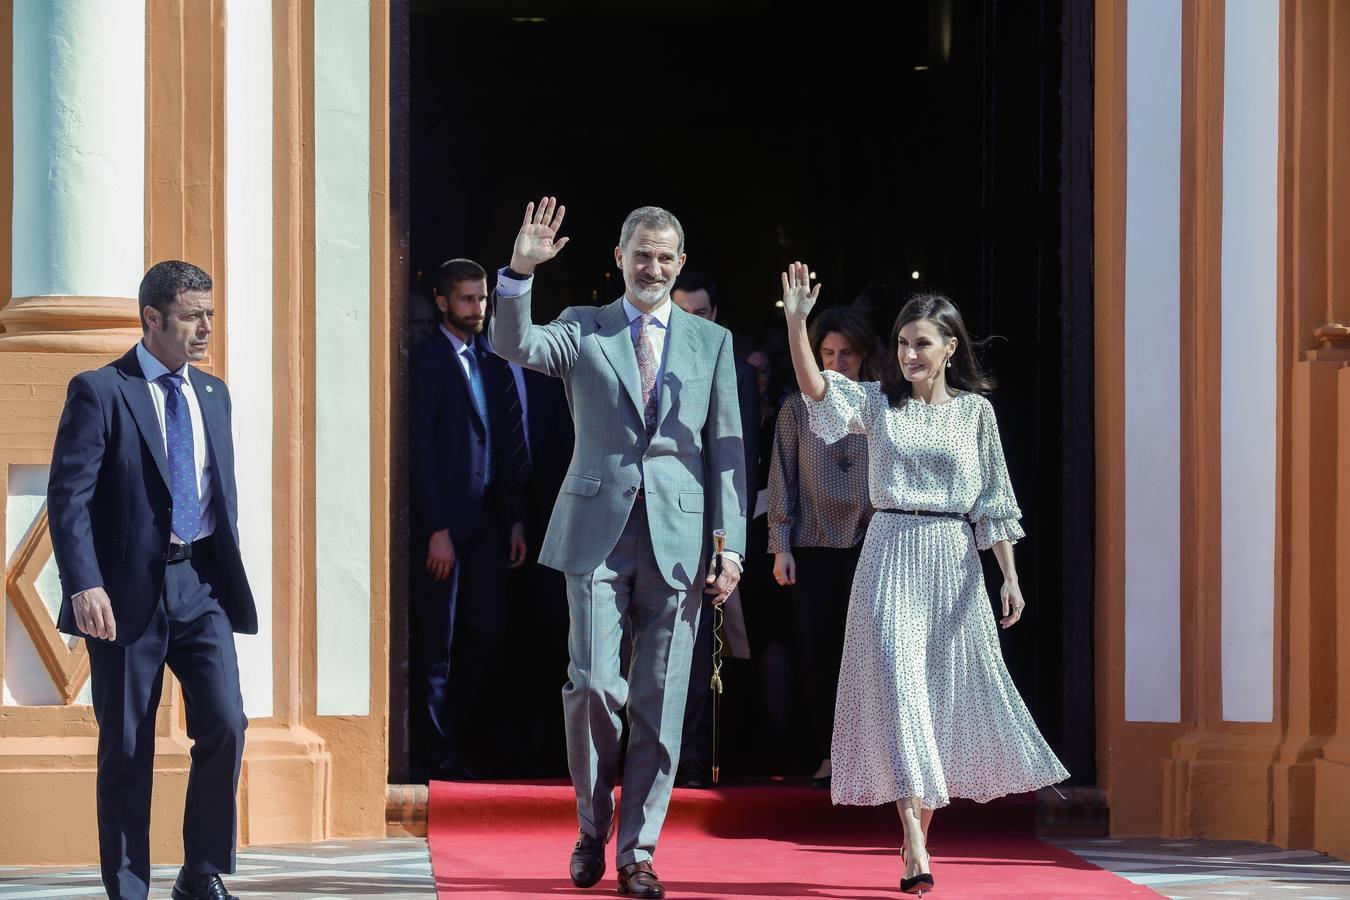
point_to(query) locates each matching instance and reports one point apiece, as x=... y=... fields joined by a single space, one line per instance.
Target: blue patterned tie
x=480 y=404
x=187 y=504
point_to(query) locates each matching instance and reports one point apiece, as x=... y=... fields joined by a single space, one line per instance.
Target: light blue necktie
x=480 y=404
x=187 y=504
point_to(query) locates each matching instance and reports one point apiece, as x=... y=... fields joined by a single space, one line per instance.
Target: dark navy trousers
x=462 y=625
x=191 y=634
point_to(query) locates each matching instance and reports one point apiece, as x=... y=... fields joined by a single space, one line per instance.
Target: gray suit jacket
x=693 y=470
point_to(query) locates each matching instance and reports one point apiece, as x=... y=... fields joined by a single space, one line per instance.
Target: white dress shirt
x=510 y=288
x=460 y=347
x=152 y=369
x=656 y=335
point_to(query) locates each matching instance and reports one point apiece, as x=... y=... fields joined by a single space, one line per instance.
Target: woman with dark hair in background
x=926 y=709
x=759 y=736
x=818 y=513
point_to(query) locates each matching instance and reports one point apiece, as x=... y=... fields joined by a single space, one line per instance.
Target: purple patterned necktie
x=646 y=361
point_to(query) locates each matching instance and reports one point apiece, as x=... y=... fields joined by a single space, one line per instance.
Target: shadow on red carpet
x=500 y=840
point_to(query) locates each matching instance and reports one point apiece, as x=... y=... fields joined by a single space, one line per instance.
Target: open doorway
x=946 y=146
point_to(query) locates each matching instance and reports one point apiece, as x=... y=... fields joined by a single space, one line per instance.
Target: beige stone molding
x=1333 y=343
x=1333 y=333
x=47 y=783
x=56 y=324
x=67 y=665
x=405 y=810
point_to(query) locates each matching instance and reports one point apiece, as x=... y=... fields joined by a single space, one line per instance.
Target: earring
x=949 y=362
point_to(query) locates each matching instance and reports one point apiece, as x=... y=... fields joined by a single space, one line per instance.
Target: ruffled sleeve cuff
x=989 y=532
x=841 y=412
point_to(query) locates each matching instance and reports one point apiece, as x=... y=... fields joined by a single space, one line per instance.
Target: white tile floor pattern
x=1194 y=870
x=392 y=869
x=400 y=869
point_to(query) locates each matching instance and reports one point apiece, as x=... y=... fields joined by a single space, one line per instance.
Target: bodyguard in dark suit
x=467 y=516
x=143 y=512
x=696 y=294
x=537 y=407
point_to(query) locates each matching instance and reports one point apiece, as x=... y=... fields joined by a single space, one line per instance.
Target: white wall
x=1251 y=102
x=343 y=334
x=1152 y=360
x=79 y=147
x=248 y=269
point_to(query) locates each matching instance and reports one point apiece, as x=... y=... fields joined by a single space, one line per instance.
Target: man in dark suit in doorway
x=696 y=294
x=542 y=440
x=467 y=518
x=143 y=512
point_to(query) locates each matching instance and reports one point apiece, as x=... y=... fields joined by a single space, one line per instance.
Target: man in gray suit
x=658 y=464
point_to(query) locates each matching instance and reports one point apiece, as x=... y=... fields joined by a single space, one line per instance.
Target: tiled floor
x=399 y=869
x=1191 y=870
x=394 y=869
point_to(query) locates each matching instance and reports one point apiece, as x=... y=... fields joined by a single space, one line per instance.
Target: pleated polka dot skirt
x=925 y=705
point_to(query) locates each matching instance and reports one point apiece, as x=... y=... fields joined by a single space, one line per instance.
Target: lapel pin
x=208 y=388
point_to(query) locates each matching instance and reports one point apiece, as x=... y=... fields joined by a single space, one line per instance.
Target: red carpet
x=512 y=840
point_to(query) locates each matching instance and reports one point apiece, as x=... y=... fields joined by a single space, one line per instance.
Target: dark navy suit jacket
x=552 y=438
x=449 y=443
x=747 y=391
x=109 y=503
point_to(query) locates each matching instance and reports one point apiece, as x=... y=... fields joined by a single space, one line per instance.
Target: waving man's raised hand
x=538 y=241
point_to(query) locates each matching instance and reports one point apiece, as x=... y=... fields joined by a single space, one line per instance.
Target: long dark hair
x=965 y=374
x=855 y=329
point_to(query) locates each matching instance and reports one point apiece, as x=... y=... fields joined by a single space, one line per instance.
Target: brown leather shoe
x=587 y=865
x=638 y=880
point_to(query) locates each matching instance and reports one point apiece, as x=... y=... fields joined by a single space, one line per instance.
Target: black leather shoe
x=920 y=884
x=200 y=887
x=692 y=780
x=638 y=880
x=588 y=860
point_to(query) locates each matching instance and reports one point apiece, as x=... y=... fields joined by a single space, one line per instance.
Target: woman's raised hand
x=799 y=298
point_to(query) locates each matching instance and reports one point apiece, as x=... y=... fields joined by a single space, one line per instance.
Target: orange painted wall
x=1287 y=782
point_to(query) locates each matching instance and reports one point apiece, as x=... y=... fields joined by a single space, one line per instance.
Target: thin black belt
x=925 y=512
x=180 y=552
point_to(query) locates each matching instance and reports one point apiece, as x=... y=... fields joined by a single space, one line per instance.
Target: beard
x=651 y=296
x=468 y=326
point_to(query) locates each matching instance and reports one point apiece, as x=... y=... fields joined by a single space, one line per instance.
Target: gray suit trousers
x=627 y=602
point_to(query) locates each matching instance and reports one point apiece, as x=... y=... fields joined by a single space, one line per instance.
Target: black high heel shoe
x=920 y=884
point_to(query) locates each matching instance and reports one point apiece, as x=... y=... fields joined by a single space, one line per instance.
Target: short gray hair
x=653 y=217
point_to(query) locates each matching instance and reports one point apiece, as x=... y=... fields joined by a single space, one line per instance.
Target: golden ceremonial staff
x=719 y=617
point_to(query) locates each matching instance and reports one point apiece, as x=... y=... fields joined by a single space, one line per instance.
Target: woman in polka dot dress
x=926 y=710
